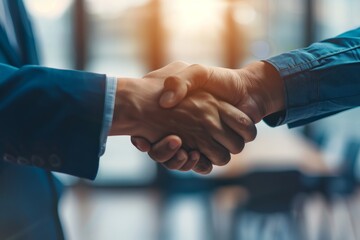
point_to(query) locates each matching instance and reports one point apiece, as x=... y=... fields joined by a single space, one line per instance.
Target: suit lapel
x=9 y=54
x=23 y=31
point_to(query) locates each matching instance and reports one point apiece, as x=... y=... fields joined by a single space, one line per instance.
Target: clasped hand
x=195 y=126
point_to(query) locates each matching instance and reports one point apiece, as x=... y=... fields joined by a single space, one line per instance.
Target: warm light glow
x=112 y=8
x=192 y=15
x=194 y=29
x=245 y=13
x=47 y=8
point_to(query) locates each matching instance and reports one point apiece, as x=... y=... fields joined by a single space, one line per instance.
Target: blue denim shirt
x=320 y=80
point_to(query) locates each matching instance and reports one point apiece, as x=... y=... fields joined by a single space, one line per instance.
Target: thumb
x=174 y=92
x=176 y=87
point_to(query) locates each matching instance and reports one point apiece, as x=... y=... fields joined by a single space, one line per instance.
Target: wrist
x=124 y=117
x=265 y=87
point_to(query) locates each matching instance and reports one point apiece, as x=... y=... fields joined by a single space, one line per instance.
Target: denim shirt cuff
x=300 y=89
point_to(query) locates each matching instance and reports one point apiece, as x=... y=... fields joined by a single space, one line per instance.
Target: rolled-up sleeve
x=320 y=80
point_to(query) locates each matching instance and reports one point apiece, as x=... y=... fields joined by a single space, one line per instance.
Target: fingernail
x=173 y=144
x=167 y=97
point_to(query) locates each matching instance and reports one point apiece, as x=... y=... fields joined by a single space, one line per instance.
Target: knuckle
x=212 y=124
x=243 y=121
x=201 y=70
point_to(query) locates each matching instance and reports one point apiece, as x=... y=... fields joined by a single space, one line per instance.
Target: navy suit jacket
x=50 y=120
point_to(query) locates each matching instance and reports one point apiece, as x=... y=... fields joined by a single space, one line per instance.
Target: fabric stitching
x=319 y=58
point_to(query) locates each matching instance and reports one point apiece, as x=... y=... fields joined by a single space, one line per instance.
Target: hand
x=168 y=152
x=197 y=119
x=256 y=89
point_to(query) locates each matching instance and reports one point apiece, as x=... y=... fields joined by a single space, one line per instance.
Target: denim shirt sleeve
x=320 y=80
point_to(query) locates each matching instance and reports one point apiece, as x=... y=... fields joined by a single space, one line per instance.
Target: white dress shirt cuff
x=110 y=93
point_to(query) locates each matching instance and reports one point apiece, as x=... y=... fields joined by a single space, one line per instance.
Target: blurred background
x=297 y=183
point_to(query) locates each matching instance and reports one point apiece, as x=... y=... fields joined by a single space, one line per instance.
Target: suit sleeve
x=51 y=118
x=320 y=80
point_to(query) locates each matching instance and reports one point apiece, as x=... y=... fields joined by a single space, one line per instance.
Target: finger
x=193 y=159
x=204 y=166
x=215 y=152
x=175 y=90
x=178 y=85
x=238 y=121
x=141 y=143
x=230 y=139
x=177 y=161
x=165 y=149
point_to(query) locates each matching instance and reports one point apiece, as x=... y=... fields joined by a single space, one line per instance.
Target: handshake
x=191 y=117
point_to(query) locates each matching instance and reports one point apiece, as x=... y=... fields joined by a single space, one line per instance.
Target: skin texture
x=200 y=120
x=256 y=89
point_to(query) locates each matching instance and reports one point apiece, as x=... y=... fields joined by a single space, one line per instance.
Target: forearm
x=319 y=80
